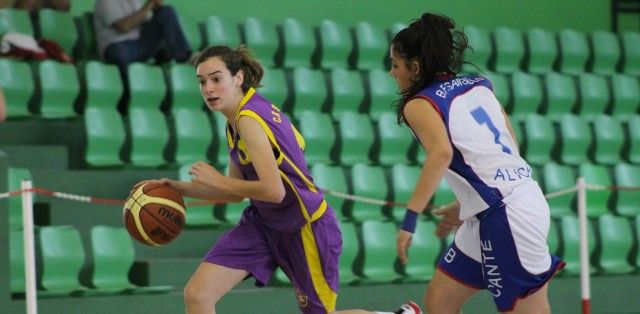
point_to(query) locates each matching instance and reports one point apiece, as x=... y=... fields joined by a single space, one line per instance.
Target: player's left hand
x=403 y=242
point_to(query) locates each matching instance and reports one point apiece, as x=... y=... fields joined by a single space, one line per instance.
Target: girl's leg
x=446 y=295
x=208 y=285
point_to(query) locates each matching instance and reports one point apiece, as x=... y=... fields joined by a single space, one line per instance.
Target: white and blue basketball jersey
x=486 y=163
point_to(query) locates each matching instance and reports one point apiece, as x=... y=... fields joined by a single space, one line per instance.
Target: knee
x=194 y=295
x=165 y=12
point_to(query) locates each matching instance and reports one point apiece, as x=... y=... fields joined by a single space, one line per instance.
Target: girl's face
x=220 y=90
x=400 y=71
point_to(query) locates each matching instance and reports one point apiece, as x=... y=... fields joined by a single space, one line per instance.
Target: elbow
x=275 y=194
x=443 y=156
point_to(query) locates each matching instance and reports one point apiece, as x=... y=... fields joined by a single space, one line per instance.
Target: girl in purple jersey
x=288 y=223
x=501 y=216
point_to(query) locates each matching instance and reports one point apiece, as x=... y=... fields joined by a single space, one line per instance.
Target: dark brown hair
x=236 y=60
x=434 y=43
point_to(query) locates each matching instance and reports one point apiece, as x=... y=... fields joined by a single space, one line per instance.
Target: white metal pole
x=29 y=249
x=584 y=246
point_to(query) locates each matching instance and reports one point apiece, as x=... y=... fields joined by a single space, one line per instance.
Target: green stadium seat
x=542 y=50
x=570 y=235
x=616 y=238
x=63 y=256
x=197 y=215
x=17 y=21
x=356 y=138
x=630 y=52
x=608 y=138
x=104 y=88
x=86 y=48
x=371 y=46
x=594 y=94
x=395 y=140
x=574 y=51
x=106 y=136
x=383 y=91
x=378 y=264
x=335 y=44
x=192 y=31
x=553 y=238
x=149 y=137
x=299 y=43
x=597 y=200
x=625 y=91
x=527 y=94
x=113 y=256
x=575 y=139
x=518 y=133
x=221 y=31
x=347 y=89
x=261 y=37
x=606 y=52
x=627 y=200
x=633 y=135
x=403 y=180
x=500 y=84
x=332 y=178
x=350 y=249
x=59 y=89
x=280 y=279
x=320 y=136
x=18 y=86
x=561 y=94
x=221 y=141
x=509 y=49
x=52 y=22
x=370 y=182
x=16 y=261
x=274 y=87
x=425 y=250
x=147 y=86
x=558 y=178
x=480 y=41
x=15 y=176
x=309 y=90
x=540 y=139
x=193 y=134
x=183 y=87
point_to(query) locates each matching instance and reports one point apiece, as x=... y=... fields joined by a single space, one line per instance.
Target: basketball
x=154 y=214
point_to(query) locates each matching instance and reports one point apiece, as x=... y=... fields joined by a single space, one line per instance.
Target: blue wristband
x=410 y=221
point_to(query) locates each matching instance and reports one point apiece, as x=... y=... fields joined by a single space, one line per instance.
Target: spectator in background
x=132 y=30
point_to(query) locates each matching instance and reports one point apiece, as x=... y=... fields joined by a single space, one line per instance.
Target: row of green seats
x=573 y=139
x=537 y=50
x=554 y=94
x=62 y=259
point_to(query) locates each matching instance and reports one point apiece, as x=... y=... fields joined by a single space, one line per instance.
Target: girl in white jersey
x=503 y=217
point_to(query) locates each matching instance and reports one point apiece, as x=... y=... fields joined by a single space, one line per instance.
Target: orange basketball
x=154 y=214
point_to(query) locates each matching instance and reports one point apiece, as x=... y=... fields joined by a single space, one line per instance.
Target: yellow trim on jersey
x=327 y=296
x=267 y=130
x=321 y=208
x=299 y=137
x=281 y=156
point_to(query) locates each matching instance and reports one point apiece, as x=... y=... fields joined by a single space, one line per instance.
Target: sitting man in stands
x=133 y=31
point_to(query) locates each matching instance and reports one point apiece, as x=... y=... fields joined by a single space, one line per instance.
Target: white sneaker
x=409 y=308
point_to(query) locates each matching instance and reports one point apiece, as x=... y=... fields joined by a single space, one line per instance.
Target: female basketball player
x=288 y=224
x=501 y=242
